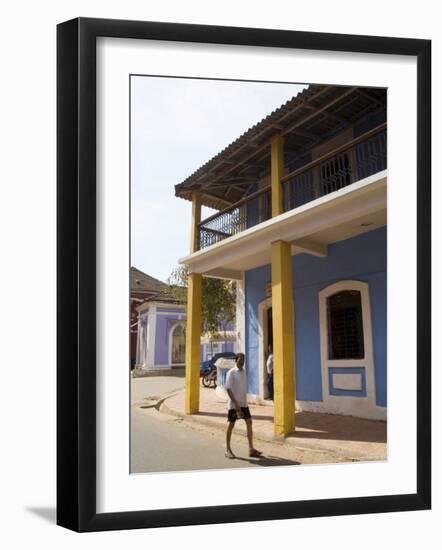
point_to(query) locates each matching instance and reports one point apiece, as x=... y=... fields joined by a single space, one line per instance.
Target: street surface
x=164 y=443
x=154 y=387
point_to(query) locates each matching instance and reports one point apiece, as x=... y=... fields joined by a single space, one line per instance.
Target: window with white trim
x=345 y=325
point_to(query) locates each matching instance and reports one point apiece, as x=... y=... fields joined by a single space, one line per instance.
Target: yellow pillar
x=193 y=324
x=193 y=338
x=196 y=218
x=283 y=339
x=277 y=171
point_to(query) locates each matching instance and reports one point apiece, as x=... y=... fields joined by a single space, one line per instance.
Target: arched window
x=345 y=325
x=178 y=344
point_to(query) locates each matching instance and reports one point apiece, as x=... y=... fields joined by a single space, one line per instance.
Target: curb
x=165 y=409
x=155 y=402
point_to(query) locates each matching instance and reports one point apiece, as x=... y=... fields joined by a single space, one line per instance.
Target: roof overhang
x=310 y=228
x=304 y=121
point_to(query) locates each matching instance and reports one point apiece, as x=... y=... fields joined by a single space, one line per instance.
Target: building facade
x=142 y=287
x=302 y=227
x=161 y=340
x=161 y=335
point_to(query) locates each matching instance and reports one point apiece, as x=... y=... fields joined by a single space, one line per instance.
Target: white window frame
x=350 y=405
x=171 y=330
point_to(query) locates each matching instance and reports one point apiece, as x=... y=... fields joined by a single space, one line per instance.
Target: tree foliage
x=218 y=299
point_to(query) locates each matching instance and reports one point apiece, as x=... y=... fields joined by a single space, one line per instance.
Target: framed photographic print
x=243 y=274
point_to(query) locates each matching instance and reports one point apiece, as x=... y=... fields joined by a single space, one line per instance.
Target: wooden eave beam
x=317 y=111
x=266 y=129
x=364 y=93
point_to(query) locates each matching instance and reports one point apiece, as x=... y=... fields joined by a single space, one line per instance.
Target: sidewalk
x=348 y=437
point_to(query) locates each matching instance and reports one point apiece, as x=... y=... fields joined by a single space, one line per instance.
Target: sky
x=178 y=124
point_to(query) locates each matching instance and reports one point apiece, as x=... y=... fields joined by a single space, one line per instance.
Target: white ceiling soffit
x=309 y=228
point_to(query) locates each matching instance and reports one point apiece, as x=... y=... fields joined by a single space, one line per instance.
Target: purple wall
x=164 y=324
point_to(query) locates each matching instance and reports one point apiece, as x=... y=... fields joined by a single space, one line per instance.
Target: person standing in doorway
x=236 y=387
x=269 y=367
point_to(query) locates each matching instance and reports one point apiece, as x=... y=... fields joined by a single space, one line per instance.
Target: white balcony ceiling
x=310 y=228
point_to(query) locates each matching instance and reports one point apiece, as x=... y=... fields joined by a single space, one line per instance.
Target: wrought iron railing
x=358 y=159
x=246 y=213
x=361 y=158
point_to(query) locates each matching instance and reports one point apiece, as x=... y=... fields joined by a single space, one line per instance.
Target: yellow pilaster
x=196 y=218
x=193 y=337
x=283 y=339
x=277 y=171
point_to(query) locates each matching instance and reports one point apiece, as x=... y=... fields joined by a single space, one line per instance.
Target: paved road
x=154 y=387
x=163 y=443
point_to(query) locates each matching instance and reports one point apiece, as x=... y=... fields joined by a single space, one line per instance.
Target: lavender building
x=161 y=343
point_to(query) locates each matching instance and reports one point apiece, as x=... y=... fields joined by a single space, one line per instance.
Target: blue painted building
x=302 y=227
x=354 y=263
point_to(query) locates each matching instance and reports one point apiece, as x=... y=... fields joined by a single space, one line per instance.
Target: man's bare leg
x=252 y=450
x=229 y=452
x=249 y=433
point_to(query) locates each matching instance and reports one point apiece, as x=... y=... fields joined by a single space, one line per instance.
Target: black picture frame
x=76 y=273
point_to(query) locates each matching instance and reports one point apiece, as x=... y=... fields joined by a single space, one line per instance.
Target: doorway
x=265 y=336
x=268 y=338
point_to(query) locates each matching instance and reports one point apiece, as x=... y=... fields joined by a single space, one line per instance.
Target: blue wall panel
x=361 y=258
x=307 y=350
x=378 y=297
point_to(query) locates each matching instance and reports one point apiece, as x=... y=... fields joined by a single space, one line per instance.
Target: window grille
x=345 y=327
x=335 y=174
x=178 y=345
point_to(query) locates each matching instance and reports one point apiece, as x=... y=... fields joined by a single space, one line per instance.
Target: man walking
x=236 y=387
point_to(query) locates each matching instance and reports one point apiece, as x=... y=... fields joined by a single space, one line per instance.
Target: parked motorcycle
x=208 y=379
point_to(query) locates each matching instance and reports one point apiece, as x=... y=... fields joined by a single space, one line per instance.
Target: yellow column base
x=283 y=339
x=193 y=338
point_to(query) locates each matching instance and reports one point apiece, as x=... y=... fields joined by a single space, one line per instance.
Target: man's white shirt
x=236 y=381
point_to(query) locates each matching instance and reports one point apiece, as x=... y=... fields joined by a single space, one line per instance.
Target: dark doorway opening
x=269 y=328
x=269 y=349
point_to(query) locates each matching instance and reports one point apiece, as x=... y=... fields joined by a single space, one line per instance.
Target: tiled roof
x=163 y=296
x=142 y=282
x=304 y=121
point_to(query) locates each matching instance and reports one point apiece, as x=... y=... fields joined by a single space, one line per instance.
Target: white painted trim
x=152 y=330
x=347 y=381
x=377 y=413
x=240 y=342
x=168 y=306
x=310 y=247
x=262 y=346
x=172 y=328
x=351 y=202
x=229 y=274
x=148 y=305
x=138 y=362
x=356 y=406
x=170 y=313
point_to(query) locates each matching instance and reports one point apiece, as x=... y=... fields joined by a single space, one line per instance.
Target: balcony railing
x=362 y=157
x=245 y=213
x=356 y=160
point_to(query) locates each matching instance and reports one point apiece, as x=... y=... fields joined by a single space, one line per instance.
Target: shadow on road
x=268 y=461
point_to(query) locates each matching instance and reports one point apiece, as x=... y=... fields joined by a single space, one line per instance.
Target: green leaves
x=218 y=299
